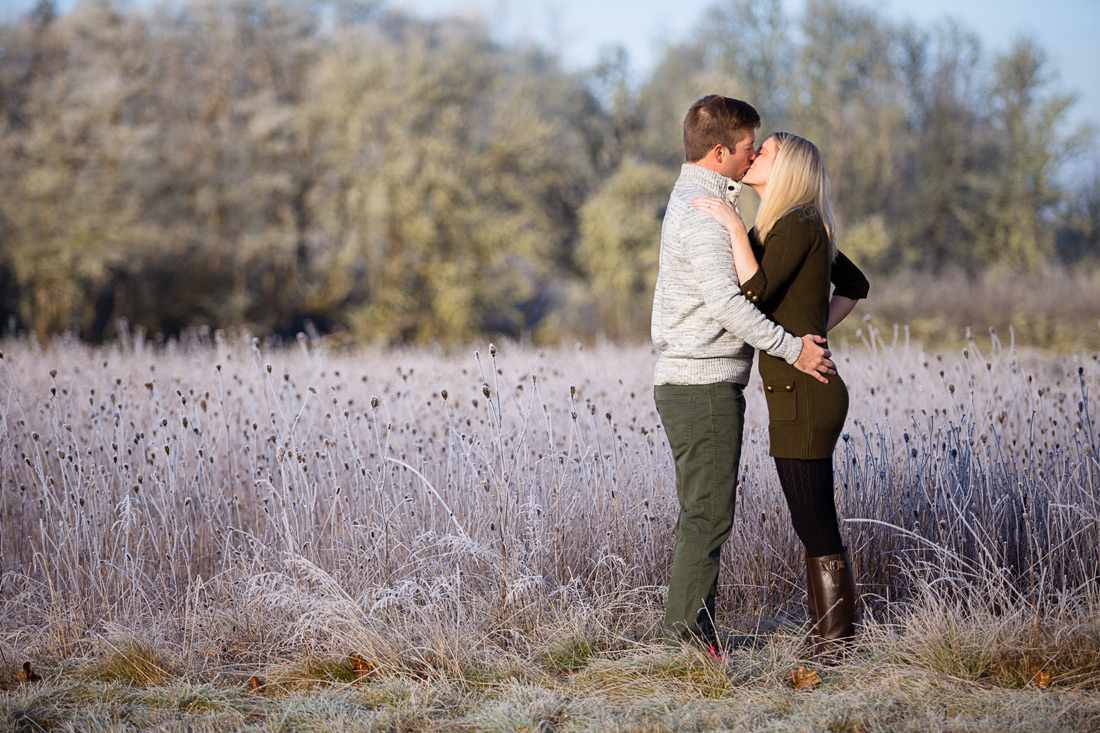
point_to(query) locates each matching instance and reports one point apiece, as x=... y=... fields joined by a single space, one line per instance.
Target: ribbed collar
x=713 y=183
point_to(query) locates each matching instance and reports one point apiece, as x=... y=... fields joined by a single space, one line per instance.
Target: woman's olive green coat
x=792 y=287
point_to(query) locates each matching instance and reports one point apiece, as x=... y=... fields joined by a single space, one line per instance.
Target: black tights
x=808 y=486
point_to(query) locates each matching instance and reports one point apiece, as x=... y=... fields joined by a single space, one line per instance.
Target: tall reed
x=302 y=494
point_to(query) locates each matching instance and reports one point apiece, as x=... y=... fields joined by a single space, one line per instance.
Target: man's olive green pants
x=703 y=424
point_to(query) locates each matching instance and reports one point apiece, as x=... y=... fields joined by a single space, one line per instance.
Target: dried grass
x=499 y=527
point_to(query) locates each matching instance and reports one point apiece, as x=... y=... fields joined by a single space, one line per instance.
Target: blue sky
x=577 y=29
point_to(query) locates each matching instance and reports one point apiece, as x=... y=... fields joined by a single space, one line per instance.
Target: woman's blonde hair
x=797 y=179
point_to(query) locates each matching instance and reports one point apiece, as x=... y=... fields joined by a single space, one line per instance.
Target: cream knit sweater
x=703 y=326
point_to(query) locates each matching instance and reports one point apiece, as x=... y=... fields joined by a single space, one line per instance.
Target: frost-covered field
x=497 y=526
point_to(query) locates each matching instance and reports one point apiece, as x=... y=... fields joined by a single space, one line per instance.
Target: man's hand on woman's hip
x=814 y=359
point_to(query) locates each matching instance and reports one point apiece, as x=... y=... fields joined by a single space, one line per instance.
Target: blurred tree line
x=388 y=178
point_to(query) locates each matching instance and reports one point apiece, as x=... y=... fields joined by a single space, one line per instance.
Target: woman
x=784 y=266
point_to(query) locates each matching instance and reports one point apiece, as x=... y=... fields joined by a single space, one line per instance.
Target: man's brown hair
x=716 y=120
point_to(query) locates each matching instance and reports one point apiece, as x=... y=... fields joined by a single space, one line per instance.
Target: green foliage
x=71 y=205
x=442 y=198
x=619 y=225
x=940 y=162
x=936 y=214
x=272 y=162
x=133 y=662
x=1024 y=113
x=867 y=242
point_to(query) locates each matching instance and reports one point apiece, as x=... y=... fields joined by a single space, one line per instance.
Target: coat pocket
x=782 y=401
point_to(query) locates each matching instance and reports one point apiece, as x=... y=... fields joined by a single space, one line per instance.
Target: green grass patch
x=133 y=662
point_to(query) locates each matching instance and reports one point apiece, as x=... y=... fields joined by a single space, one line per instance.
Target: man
x=706 y=330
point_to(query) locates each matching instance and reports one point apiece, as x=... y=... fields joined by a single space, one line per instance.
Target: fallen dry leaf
x=360 y=666
x=427 y=667
x=255 y=684
x=233 y=654
x=28 y=674
x=803 y=679
x=1039 y=676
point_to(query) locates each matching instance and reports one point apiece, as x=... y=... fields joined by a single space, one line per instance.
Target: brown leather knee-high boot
x=831 y=598
x=811 y=604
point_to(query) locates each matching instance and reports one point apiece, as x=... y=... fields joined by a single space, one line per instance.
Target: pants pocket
x=677 y=414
